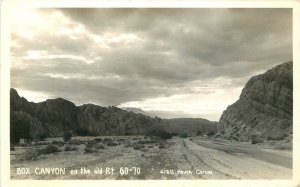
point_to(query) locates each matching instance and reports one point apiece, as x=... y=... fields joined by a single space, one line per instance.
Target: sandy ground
x=188 y=158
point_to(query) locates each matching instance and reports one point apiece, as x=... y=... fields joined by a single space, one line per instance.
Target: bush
x=111 y=144
x=138 y=146
x=99 y=146
x=43 y=135
x=211 y=133
x=75 y=142
x=98 y=139
x=199 y=133
x=90 y=149
x=49 y=149
x=161 y=134
x=70 y=148
x=107 y=140
x=255 y=138
x=58 y=143
x=234 y=138
x=183 y=135
x=67 y=136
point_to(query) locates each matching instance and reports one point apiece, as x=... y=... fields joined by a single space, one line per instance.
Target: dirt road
x=240 y=162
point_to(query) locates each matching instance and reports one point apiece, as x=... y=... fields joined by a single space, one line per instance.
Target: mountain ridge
x=54 y=117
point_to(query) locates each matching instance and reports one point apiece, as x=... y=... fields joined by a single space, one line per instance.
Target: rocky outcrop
x=54 y=117
x=265 y=107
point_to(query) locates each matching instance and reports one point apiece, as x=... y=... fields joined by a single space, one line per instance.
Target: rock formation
x=54 y=117
x=265 y=107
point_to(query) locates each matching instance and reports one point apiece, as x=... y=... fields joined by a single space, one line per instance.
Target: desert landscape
x=151 y=93
x=157 y=148
x=155 y=158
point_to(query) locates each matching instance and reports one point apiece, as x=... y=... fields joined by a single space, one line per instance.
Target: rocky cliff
x=265 y=107
x=54 y=117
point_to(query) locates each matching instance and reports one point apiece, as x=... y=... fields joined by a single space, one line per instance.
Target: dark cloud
x=113 y=56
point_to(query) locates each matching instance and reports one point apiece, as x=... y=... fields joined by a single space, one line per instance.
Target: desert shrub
x=107 y=140
x=42 y=135
x=41 y=143
x=210 y=133
x=98 y=139
x=58 y=143
x=75 y=142
x=161 y=134
x=255 y=138
x=199 y=133
x=90 y=149
x=99 y=146
x=174 y=134
x=70 y=148
x=112 y=143
x=127 y=144
x=143 y=141
x=49 y=149
x=23 y=144
x=67 y=136
x=183 y=135
x=138 y=146
x=91 y=142
x=234 y=138
x=161 y=145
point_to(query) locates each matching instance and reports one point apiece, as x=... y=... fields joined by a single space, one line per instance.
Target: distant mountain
x=192 y=126
x=136 y=110
x=265 y=107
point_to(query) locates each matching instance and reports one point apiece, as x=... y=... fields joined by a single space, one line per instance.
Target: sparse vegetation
x=70 y=148
x=138 y=146
x=255 y=138
x=99 y=146
x=89 y=149
x=98 y=139
x=58 y=143
x=92 y=147
x=49 y=149
x=183 y=135
x=67 y=136
x=211 y=133
x=160 y=134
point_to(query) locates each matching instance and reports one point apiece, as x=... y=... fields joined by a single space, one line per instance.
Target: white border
x=9 y=6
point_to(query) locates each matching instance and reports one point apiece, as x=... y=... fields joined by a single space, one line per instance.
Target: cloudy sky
x=173 y=62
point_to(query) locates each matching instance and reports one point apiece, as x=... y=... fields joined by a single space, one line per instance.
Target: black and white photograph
x=151 y=93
